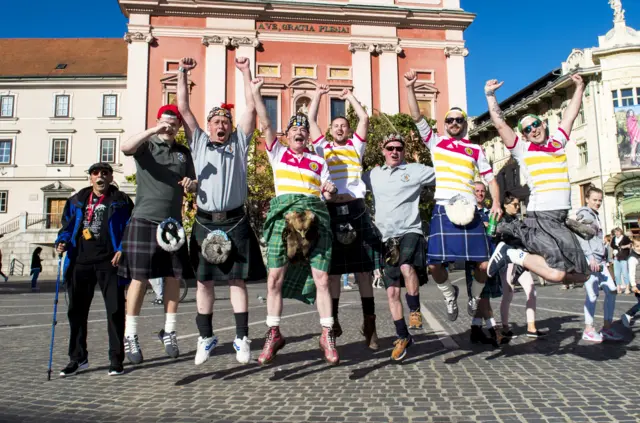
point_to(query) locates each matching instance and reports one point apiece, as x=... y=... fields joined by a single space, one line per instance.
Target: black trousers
x=80 y=290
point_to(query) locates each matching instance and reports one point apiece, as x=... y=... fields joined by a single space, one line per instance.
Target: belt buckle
x=342 y=210
x=218 y=216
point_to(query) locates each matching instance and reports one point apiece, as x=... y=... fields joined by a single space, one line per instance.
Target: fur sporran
x=459 y=211
x=216 y=247
x=345 y=233
x=170 y=235
x=392 y=251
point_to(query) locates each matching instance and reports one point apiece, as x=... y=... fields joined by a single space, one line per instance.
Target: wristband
x=181 y=69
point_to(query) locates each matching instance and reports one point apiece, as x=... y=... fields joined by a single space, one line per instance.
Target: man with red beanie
x=154 y=242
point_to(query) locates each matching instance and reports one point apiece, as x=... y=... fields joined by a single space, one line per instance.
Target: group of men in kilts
x=318 y=217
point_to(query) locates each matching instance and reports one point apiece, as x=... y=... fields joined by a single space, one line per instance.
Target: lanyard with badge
x=86 y=232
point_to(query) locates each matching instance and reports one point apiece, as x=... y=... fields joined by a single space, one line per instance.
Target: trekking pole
x=55 y=311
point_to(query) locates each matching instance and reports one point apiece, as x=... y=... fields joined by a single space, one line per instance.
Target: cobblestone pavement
x=443 y=379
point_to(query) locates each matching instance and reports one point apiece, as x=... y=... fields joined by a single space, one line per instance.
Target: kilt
x=492 y=288
x=448 y=242
x=363 y=254
x=298 y=282
x=245 y=260
x=412 y=252
x=143 y=259
x=545 y=233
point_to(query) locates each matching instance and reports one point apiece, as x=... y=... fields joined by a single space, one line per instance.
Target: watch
x=181 y=69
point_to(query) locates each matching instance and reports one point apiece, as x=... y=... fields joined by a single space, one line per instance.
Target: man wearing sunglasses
x=554 y=251
x=356 y=244
x=396 y=188
x=456 y=236
x=93 y=224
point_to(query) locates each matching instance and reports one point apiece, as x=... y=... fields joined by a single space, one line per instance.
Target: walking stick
x=55 y=311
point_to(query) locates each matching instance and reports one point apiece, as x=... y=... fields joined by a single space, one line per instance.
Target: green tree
x=260 y=184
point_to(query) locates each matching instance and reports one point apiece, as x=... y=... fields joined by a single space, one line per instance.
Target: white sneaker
x=243 y=350
x=205 y=346
x=626 y=320
x=347 y=287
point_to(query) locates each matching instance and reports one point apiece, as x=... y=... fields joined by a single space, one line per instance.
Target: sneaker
x=74 y=367
x=328 y=346
x=170 y=342
x=205 y=346
x=592 y=336
x=369 y=332
x=536 y=334
x=132 y=349
x=626 y=320
x=498 y=260
x=506 y=336
x=116 y=369
x=337 y=329
x=415 y=320
x=472 y=306
x=243 y=350
x=347 y=287
x=158 y=301
x=400 y=346
x=274 y=341
x=452 y=305
x=611 y=335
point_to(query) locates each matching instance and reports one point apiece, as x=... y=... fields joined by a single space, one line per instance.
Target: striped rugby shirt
x=297 y=176
x=455 y=164
x=547 y=172
x=345 y=164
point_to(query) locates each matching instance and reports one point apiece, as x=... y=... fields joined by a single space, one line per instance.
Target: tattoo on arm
x=499 y=113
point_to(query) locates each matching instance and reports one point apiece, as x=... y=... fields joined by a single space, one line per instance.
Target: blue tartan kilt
x=448 y=242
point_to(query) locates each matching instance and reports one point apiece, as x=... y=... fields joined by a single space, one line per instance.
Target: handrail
x=12 y=268
x=10 y=225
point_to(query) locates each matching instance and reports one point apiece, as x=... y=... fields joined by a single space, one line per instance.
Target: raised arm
x=247 y=122
x=131 y=145
x=314 y=129
x=363 y=117
x=189 y=121
x=266 y=126
x=410 y=79
x=496 y=207
x=573 y=109
x=497 y=117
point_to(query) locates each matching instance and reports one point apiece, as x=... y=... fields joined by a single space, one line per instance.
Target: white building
x=60 y=111
x=602 y=139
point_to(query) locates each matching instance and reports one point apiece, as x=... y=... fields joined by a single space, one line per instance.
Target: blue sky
x=514 y=40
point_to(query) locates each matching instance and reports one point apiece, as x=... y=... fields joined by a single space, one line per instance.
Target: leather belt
x=220 y=216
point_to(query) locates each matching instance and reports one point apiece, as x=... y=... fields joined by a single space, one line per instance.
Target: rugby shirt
x=297 y=176
x=345 y=164
x=546 y=170
x=455 y=163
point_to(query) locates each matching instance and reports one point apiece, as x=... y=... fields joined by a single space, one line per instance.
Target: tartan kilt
x=492 y=288
x=448 y=242
x=143 y=259
x=245 y=260
x=363 y=254
x=412 y=251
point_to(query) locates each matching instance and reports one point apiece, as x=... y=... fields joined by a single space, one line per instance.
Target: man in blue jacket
x=93 y=223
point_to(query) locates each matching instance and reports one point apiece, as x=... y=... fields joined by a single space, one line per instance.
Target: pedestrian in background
x=6 y=279
x=36 y=268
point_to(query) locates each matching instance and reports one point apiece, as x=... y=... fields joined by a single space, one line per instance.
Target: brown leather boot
x=369 y=332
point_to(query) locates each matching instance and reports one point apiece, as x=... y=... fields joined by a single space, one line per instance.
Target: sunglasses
x=459 y=120
x=394 y=148
x=535 y=124
x=101 y=172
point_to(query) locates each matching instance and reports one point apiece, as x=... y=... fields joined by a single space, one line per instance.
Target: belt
x=220 y=216
x=344 y=209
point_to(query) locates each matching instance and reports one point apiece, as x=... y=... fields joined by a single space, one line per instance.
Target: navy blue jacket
x=118 y=215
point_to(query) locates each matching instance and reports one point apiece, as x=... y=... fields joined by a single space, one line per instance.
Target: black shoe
x=158 y=301
x=116 y=368
x=493 y=338
x=452 y=305
x=472 y=306
x=536 y=334
x=498 y=260
x=478 y=336
x=74 y=367
x=507 y=336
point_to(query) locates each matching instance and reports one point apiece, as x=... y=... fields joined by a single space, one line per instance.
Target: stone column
x=245 y=47
x=215 y=73
x=361 y=71
x=389 y=92
x=456 y=79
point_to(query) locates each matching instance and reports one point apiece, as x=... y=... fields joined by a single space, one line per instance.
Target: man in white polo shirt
x=356 y=243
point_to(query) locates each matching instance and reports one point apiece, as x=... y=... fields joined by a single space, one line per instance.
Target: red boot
x=273 y=342
x=328 y=346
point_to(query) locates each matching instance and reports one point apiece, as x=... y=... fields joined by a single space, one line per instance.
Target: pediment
x=57 y=186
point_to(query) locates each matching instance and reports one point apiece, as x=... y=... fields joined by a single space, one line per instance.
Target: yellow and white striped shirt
x=297 y=176
x=547 y=172
x=345 y=164
x=455 y=163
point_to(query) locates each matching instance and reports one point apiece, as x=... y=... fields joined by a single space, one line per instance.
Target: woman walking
x=621 y=245
x=36 y=268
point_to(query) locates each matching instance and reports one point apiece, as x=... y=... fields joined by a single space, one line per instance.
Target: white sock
x=476 y=289
x=476 y=321
x=131 y=326
x=273 y=321
x=170 y=320
x=447 y=289
x=517 y=256
x=326 y=322
x=490 y=323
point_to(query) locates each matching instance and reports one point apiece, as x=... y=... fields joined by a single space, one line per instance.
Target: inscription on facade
x=302 y=27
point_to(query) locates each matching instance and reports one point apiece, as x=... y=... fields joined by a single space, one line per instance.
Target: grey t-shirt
x=221 y=169
x=159 y=168
x=396 y=195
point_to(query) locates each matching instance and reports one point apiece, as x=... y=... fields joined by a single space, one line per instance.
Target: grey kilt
x=142 y=257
